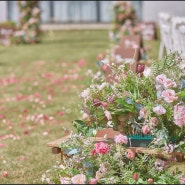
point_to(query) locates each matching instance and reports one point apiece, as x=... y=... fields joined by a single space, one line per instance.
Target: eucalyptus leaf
x=182 y=83
x=138 y=106
x=129 y=101
x=72 y=151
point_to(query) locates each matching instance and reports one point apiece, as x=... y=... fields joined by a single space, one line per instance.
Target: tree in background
x=29 y=22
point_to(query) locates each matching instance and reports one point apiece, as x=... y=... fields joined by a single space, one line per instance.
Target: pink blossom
x=143 y=112
x=65 y=180
x=104 y=67
x=135 y=176
x=130 y=154
x=85 y=116
x=150 y=181
x=102 y=169
x=154 y=121
x=108 y=115
x=79 y=179
x=96 y=102
x=2 y=145
x=159 y=87
x=110 y=98
x=161 y=78
x=5 y=174
x=140 y=68
x=93 y=152
x=121 y=139
x=145 y=129
x=104 y=104
x=179 y=115
x=101 y=148
x=169 y=83
x=93 y=181
x=169 y=95
x=181 y=179
x=159 y=110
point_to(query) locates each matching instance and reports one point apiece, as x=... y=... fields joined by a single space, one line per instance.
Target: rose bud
x=150 y=181
x=135 y=176
x=96 y=102
x=140 y=68
x=99 y=57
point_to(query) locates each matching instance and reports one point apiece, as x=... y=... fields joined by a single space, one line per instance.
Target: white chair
x=181 y=29
x=165 y=33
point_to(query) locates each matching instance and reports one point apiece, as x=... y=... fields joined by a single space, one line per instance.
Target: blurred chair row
x=172 y=32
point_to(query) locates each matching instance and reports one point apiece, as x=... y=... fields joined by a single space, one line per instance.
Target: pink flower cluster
x=121 y=139
x=78 y=179
x=179 y=115
x=166 y=82
x=159 y=109
x=168 y=94
x=100 y=148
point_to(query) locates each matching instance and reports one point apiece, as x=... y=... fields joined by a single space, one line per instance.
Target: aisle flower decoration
x=28 y=30
x=89 y=162
x=150 y=102
x=124 y=19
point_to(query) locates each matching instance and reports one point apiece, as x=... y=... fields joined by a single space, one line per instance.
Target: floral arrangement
x=124 y=19
x=89 y=162
x=149 y=102
x=28 y=28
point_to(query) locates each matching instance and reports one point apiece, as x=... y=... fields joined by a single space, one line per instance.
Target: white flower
x=147 y=71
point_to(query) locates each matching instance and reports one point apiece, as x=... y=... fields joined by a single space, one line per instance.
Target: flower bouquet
x=28 y=28
x=148 y=103
x=124 y=19
x=107 y=163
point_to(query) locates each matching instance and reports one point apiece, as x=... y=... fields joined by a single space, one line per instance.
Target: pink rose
x=140 y=68
x=154 y=121
x=78 y=179
x=130 y=154
x=161 y=78
x=143 y=112
x=159 y=110
x=108 y=115
x=135 y=176
x=150 y=181
x=104 y=104
x=104 y=67
x=102 y=148
x=96 y=102
x=93 y=181
x=85 y=116
x=93 y=152
x=169 y=95
x=179 y=115
x=121 y=139
x=169 y=83
x=145 y=129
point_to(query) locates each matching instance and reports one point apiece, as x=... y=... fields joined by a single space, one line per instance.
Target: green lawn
x=39 y=96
